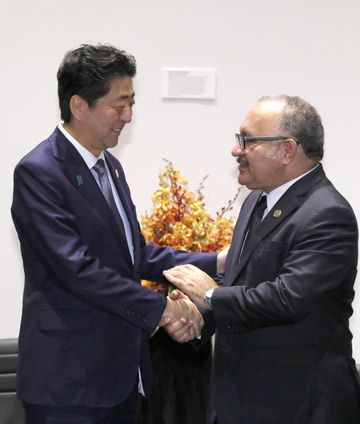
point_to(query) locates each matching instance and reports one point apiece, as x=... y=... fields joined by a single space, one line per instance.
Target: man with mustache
x=283 y=349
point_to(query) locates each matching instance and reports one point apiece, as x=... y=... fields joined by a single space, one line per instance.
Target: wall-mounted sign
x=188 y=83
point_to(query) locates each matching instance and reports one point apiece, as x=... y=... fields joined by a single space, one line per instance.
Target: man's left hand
x=191 y=281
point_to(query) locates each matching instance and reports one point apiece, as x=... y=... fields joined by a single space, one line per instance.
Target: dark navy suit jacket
x=283 y=345
x=86 y=319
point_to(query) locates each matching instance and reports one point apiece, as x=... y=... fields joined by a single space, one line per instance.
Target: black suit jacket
x=86 y=319
x=283 y=345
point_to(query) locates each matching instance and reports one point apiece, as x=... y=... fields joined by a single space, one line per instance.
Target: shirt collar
x=88 y=157
x=275 y=195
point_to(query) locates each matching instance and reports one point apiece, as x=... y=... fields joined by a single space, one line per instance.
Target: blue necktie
x=105 y=186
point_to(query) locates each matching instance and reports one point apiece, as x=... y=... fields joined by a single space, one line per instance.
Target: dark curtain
x=181 y=383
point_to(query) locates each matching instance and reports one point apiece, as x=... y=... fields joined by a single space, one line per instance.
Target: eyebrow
x=126 y=97
x=244 y=133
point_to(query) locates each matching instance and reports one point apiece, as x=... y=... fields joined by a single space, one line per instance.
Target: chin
x=243 y=181
x=247 y=184
x=112 y=144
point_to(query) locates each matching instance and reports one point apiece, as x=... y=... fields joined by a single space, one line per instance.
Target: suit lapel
x=119 y=181
x=119 y=184
x=83 y=181
x=287 y=205
x=239 y=234
x=291 y=200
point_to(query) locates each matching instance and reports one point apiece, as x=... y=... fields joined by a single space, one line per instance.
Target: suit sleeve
x=155 y=259
x=319 y=259
x=52 y=240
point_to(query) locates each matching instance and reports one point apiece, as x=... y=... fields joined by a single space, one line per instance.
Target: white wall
x=300 y=47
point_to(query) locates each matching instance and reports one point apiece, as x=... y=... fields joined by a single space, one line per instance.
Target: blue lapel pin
x=80 y=180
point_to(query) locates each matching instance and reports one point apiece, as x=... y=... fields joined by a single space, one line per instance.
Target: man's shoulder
x=324 y=192
x=325 y=203
x=328 y=196
x=41 y=147
x=41 y=153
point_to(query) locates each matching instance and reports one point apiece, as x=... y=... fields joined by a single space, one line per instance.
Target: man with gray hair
x=283 y=349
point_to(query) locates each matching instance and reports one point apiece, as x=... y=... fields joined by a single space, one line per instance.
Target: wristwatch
x=207 y=298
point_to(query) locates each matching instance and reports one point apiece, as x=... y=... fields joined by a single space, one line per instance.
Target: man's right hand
x=181 y=318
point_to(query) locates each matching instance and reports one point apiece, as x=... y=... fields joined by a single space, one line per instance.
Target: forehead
x=263 y=118
x=121 y=88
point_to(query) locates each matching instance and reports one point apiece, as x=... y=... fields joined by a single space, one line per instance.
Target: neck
x=80 y=137
x=306 y=167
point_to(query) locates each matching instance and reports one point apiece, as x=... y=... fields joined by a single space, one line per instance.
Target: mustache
x=242 y=161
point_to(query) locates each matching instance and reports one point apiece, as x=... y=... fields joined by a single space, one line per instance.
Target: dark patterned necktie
x=105 y=186
x=255 y=219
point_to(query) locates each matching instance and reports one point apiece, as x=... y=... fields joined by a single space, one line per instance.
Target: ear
x=77 y=106
x=290 y=148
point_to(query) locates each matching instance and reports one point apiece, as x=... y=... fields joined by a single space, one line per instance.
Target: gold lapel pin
x=117 y=173
x=277 y=213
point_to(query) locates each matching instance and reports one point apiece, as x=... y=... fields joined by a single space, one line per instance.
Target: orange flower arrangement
x=179 y=220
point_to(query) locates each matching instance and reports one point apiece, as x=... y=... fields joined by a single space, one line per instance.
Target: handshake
x=181 y=318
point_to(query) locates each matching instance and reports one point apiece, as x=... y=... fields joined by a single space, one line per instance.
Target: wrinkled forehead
x=263 y=118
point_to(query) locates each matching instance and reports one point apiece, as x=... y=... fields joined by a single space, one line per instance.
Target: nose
x=126 y=115
x=236 y=150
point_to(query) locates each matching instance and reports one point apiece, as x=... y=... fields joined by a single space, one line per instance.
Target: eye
x=118 y=108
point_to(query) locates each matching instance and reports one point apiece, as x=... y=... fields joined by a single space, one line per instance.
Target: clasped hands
x=182 y=318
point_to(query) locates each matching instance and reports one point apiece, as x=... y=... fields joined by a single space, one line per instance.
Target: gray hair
x=301 y=121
